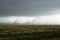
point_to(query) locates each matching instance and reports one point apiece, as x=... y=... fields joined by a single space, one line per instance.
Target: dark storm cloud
x=27 y=7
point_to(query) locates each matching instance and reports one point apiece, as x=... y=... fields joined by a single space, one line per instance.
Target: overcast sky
x=28 y=8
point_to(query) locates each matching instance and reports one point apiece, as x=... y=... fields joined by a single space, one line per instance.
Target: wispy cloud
x=52 y=19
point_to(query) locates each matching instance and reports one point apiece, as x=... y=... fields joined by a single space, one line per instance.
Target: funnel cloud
x=30 y=11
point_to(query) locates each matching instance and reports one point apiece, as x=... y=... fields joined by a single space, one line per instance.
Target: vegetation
x=29 y=32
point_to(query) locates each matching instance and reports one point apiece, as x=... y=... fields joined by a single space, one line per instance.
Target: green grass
x=29 y=32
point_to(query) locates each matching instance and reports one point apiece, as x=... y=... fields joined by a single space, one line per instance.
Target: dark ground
x=29 y=32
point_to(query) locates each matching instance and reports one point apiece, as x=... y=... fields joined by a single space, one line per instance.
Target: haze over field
x=30 y=11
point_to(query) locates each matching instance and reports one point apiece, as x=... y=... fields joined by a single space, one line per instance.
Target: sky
x=30 y=11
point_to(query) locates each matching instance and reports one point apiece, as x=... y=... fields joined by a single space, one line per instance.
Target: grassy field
x=29 y=32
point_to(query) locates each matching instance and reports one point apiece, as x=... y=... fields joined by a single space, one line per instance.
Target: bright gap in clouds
x=52 y=19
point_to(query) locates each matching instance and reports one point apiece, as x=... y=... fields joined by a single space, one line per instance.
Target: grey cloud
x=27 y=7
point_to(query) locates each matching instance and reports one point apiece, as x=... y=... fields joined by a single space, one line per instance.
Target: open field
x=29 y=32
